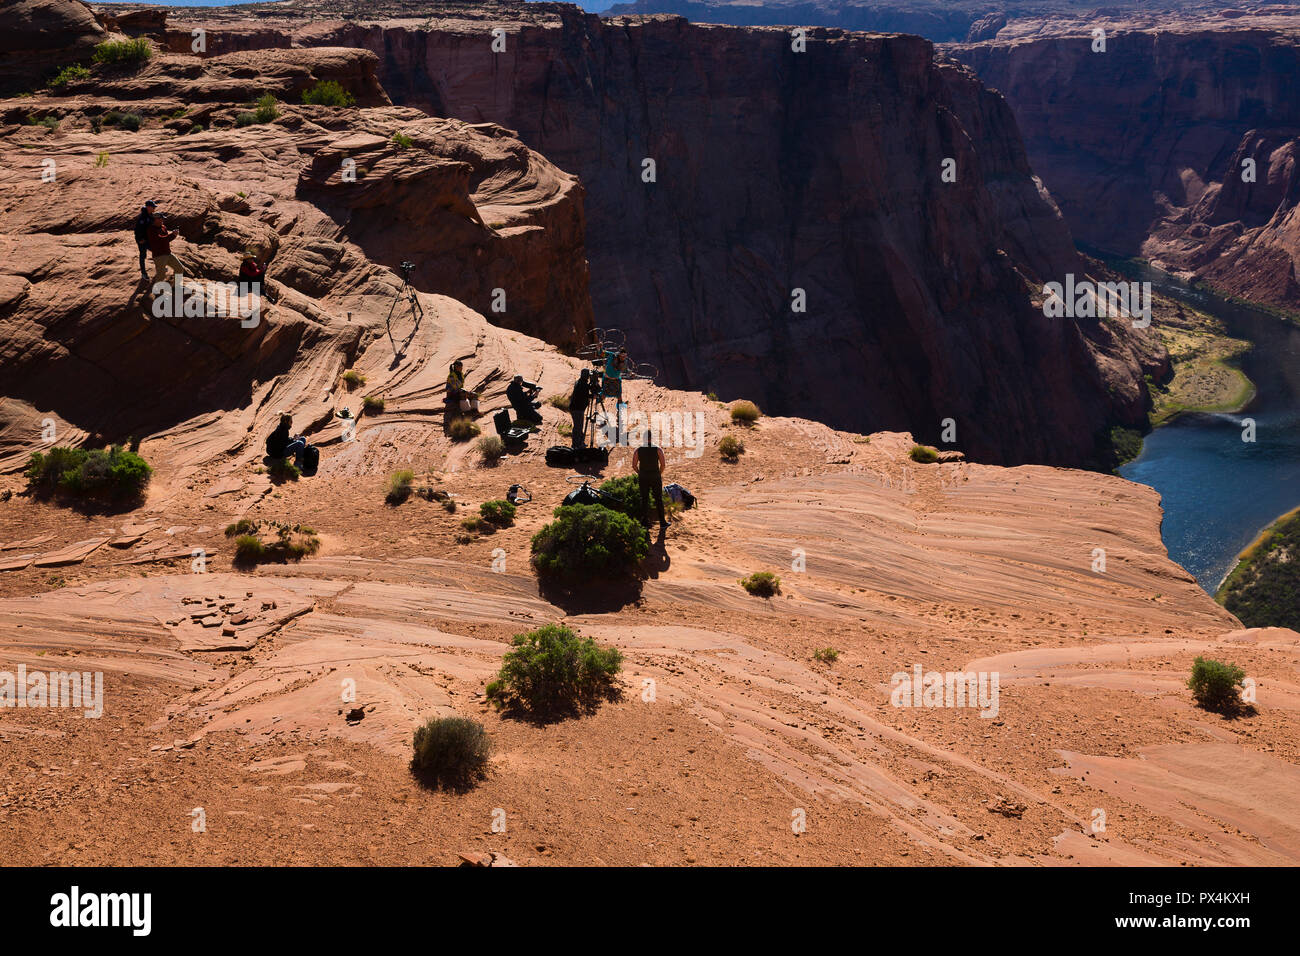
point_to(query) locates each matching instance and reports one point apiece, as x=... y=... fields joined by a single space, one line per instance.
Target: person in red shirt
x=251 y=274
x=160 y=244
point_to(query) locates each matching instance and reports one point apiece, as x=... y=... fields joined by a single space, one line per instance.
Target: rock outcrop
x=40 y=36
x=1177 y=144
x=781 y=181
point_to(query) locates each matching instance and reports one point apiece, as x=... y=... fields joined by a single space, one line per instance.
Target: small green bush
x=101 y=159
x=827 y=655
x=491 y=448
x=588 y=543
x=373 y=404
x=353 y=379
x=267 y=109
x=399 y=486
x=731 y=447
x=552 y=672
x=282 y=469
x=451 y=752
x=69 y=74
x=475 y=524
x=498 y=512
x=559 y=401
x=259 y=542
x=114 y=473
x=923 y=454
x=623 y=494
x=462 y=429
x=1214 y=684
x=123 y=52
x=745 y=413
x=762 y=583
x=328 y=93
x=131 y=122
x=245 y=119
x=402 y=141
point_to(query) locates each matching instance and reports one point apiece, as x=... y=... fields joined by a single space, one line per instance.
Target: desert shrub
x=123 y=52
x=260 y=542
x=113 y=473
x=498 y=512
x=712 y=396
x=827 y=655
x=730 y=447
x=475 y=524
x=353 y=379
x=245 y=119
x=282 y=469
x=127 y=121
x=462 y=429
x=559 y=401
x=762 y=583
x=399 y=486
x=1214 y=684
x=491 y=448
x=101 y=159
x=328 y=93
x=553 y=672
x=373 y=404
x=588 y=543
x=49 y=122
x=923 y=454
x=623 y=494
x=69 y=74
x=267 y=109
x=1126 y=443
x=451 y=752
x=745 y=413
x=565 y=429
x=402 y=141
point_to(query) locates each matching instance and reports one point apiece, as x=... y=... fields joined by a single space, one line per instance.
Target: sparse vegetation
x=491 y=448
x=475 y=524
x=745 y=413
x=373 y=404
x=266 y=110
x=69 y=74
x=730 y=447
x=498 y=512
x=1126 y=444
x=351 y=378
x=587 y=543
x=399 y=486
x=552 y=672
x=923 y=454
x=402 y=141
x=826 y=655
x=245 y=119
x=261 y=542
x=328 y=93
x=559 y=401
x=451 y=752
x=123 y=52
x=127 y=121
x=712 y=396
x=565 y=429
x=623 y=494
x=101 y=159
x=1215 y=685
x=1263 y=590
x=462 y=429
x=282 y=469
x=49 y=122
x=762 y=584
x=114 y=474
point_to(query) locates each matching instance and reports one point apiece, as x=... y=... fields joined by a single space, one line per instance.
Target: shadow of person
x=658 y=560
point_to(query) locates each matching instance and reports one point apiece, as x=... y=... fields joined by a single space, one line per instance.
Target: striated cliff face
x=778 y=171
x=1178 y=143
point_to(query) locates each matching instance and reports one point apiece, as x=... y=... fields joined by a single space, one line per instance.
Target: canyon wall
x=1177 y=144
x=777 y=171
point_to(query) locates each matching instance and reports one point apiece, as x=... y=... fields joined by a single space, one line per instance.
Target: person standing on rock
x=142 y=224
x=648 y=463
x=579 y=399
x=160 y=244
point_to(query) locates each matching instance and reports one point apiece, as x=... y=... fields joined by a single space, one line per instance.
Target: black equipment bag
x=560 y=456
x=310 y=460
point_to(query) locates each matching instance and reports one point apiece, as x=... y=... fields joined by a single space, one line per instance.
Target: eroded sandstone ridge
x=1177 y=144
x=775 y=171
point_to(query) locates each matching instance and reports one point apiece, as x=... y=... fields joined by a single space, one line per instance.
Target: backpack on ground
x=584 y=494
x=310 y=460
x=593 y=454
x=561 y=456
x=680 y=495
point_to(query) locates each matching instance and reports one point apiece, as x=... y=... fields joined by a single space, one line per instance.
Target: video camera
x=407 y=266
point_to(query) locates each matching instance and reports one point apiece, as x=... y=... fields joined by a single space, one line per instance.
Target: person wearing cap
x=142 y=224
x=160 y=244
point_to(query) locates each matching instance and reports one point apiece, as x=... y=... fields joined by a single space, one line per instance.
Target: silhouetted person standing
x=142 y=224
x=648 y=463
x=579 y=399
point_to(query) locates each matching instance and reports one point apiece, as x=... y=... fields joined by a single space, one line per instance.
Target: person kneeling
x=521 y=395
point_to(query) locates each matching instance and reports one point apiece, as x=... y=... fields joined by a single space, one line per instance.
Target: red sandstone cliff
x=778 y=171
x=1144 y=145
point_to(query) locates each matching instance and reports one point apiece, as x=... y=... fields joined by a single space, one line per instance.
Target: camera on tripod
x=407 y=266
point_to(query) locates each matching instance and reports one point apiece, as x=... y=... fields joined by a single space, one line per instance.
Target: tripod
x=405 y=293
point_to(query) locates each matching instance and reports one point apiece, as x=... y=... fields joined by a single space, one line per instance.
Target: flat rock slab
x=72 y=554
x=16 y=563
x=29 y=543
